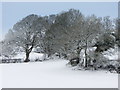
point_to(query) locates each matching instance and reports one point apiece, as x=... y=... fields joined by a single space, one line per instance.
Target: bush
x=118 y=70
x=113 y=66
x=74 y=61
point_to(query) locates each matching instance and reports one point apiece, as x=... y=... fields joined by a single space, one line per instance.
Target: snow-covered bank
x=54 y=74
x=33 y=56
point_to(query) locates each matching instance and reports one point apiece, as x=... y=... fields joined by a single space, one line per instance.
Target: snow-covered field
x=54 y=74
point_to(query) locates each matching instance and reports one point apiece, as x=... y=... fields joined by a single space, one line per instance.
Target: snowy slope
x=54 y=74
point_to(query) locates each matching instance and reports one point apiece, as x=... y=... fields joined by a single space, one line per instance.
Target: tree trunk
x=27 y=57
x=59 y=55
x=65 y=56
x=86 y=62
x=45 y=56
x=86 y=57
x=49 y=55
x=78 y=51
x=28 y=50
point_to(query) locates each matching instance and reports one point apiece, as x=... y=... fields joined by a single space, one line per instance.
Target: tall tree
x=91 y=29
x=25 y=36
x=61 y=31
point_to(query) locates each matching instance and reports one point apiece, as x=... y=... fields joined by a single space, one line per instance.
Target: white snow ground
x=54 y=74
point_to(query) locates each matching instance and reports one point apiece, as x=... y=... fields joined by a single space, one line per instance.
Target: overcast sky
x=15 y=11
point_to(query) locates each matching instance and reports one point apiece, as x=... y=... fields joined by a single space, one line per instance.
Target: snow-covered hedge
x=33 y=56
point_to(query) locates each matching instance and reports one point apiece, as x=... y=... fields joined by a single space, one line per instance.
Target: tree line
x=66 y=33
